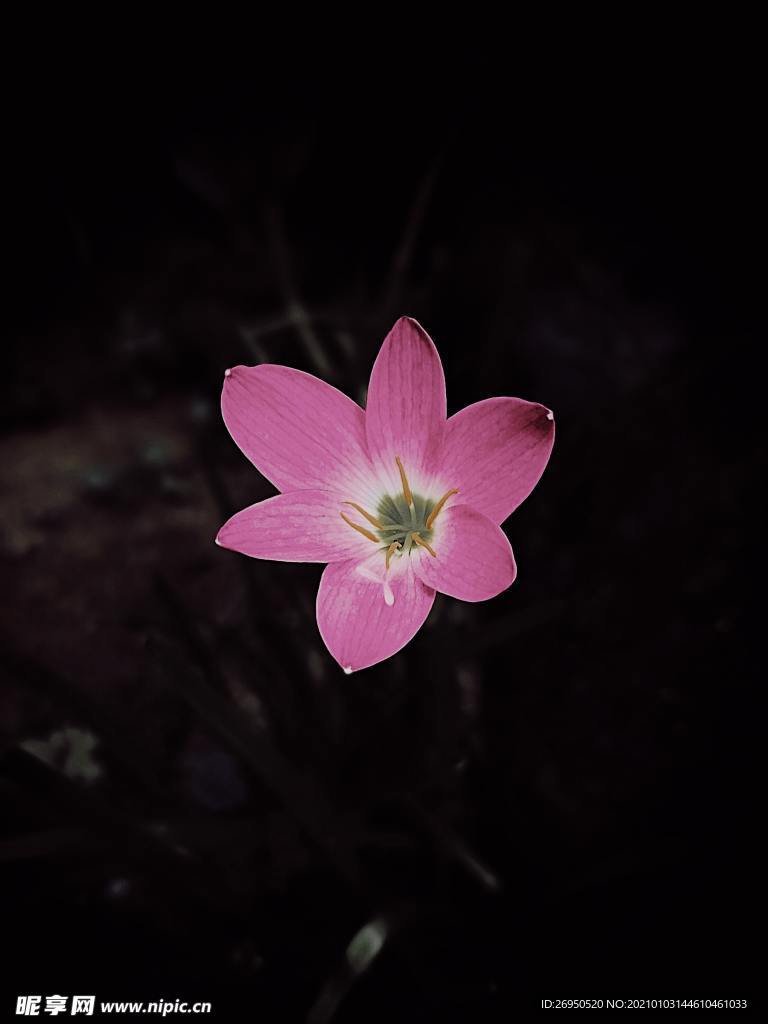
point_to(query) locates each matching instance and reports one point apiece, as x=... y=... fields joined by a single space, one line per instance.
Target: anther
x=406 y=488
x=360 y=529
x=433 y=514
x=423 y=544
x=391 y=550
x=371 y=519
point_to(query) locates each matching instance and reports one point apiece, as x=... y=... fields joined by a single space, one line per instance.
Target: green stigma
x=399 y=520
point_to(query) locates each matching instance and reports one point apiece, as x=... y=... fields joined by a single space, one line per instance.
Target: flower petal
x=474 y=559
x=359 y=627
x=406 y=409
x=302 y=526
x=298 y=431
x=495 y=451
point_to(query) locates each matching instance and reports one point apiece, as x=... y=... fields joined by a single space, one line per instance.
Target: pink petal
x=495 y=452
x=473 y=560
x=405 y=411
x=298 y=431
x=302 y=526
x=357 y=624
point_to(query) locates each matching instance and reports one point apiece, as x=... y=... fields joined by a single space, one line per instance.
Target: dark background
x=551 y=794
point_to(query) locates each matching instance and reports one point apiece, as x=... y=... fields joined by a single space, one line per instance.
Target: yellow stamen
x=360 y=529
x=423 y=544
x=371 y=519
x=406 y=489
x=433 y=514
x=391 y=550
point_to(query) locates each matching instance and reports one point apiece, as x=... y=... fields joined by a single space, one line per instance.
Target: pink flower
x=399 y=500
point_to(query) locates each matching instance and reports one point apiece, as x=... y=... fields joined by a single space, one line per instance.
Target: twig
x=295 y=312
x=300 y=796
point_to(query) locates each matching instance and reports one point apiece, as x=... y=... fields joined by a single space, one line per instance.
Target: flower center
x=401 y=522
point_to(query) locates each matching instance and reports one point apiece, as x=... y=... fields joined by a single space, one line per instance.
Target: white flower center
x=401 y=523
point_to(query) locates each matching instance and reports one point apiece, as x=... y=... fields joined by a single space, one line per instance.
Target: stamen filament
x=423 y=544
x=406 y=488
x=395 y=546
x=371 y=519
x=360 y=529
x=433 y=514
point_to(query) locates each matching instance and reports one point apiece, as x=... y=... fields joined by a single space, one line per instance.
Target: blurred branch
x=41 y=844
x=454 y=847
x=297 y=792
x=401 y=259
x=295 y=311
